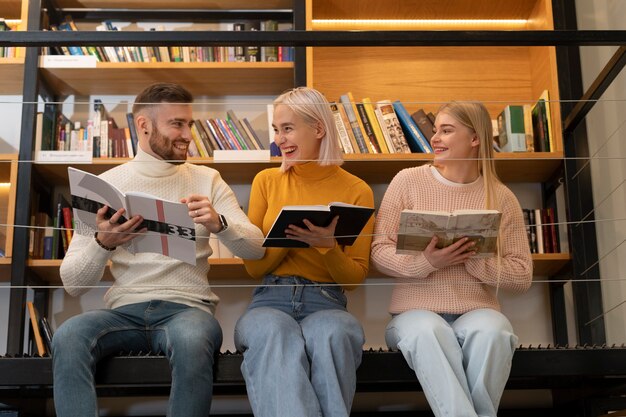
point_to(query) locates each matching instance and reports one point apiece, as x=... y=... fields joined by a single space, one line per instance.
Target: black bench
x=580 y=375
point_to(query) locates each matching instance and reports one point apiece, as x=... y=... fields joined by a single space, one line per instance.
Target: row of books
x=526 y=128
x=101 y=137
x=381 y=127
x=8 y=51
x=177 y=53
x=52 y=232
x=41 y=331
x=544 y=232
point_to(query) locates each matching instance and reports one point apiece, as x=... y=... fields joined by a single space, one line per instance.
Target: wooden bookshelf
x=11 y=9
x=226 y=269
x=11 y=76
x=511 y=167
x=426 y=77
x=201 y=78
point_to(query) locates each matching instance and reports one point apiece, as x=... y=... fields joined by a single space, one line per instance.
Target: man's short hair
x=161 y=93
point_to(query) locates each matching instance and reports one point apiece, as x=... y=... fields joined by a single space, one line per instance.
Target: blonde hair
x=475 y=116
x=313 y=108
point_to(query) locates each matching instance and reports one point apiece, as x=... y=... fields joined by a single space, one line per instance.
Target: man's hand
x=201 y=211
x=112 y=234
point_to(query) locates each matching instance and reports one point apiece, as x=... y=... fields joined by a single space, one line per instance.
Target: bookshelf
x=225 y=269
x=418 y=76
x=12 y=69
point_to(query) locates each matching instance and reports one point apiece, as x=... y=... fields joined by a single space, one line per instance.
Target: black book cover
x=352 y=219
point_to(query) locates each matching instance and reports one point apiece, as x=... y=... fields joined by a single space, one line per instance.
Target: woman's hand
x=315 y=236
x=455 y=254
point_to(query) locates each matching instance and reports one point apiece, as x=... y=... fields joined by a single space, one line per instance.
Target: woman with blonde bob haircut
x=301 y=347
x=446 y=317
x=311 y=106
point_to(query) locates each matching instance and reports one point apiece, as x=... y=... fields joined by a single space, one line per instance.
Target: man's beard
x=158 y=144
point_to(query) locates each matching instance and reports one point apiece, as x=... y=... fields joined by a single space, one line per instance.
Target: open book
x=417 y=229
x=170 y=230
x=352 y=219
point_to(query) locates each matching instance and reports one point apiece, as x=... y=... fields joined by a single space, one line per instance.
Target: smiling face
x=166 y=131
x=453 y=142
x=298 y=141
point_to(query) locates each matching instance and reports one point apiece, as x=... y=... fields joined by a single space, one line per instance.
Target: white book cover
x=170 y=230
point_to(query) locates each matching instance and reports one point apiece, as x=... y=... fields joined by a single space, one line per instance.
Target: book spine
x=344 y=139
x=354 y=124
x=378 y=133
x=417 y=142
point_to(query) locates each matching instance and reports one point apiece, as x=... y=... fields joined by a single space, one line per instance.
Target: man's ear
x=144 y=124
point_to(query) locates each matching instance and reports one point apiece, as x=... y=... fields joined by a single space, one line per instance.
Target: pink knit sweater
x=455 y=289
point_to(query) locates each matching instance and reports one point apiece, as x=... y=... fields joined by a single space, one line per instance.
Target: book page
x=171 y=232
x=89 y=194
x=418 y=228
x=480 y=227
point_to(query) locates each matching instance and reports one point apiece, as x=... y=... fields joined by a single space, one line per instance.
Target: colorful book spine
x=417 y=142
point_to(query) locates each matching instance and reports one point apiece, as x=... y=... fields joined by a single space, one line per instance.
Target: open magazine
x=417 y=229
x=170 y=230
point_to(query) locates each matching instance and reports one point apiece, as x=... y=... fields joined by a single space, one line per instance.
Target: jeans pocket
x=334 y=294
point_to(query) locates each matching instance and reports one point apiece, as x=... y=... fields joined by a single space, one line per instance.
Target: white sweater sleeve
x=83 y=265
x=241 y=237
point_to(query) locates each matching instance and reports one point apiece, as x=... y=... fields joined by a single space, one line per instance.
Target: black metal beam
x=169 y=15
x=299 y=23
x=586 y=285
x=19 y=272
x=595 y=91
x=317 y=38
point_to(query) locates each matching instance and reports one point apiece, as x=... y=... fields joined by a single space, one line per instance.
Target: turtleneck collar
x=313 y=171
x=149 y=166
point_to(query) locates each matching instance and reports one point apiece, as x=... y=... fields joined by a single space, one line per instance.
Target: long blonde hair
x=475 y=116
x=313 y=108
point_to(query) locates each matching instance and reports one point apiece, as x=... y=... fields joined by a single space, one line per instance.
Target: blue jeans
x=462 y=362
x=188 y=336
x=301 y=349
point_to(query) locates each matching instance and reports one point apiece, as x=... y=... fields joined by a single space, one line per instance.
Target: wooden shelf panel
x=416 y=9
x=201 y=78
x=11 y=9
x=511 y=167
x=11 y=75
x=181 y=4
x=233 y=269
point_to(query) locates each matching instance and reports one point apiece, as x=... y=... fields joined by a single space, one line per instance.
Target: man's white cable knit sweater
x=149 y=276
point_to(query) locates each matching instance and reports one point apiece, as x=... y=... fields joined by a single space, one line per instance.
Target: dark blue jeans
x=188 y=336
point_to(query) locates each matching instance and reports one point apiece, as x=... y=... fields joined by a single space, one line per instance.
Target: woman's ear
x=320 y=131
x=475 y=141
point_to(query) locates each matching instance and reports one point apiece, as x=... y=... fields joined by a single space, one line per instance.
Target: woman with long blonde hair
x=446 y=315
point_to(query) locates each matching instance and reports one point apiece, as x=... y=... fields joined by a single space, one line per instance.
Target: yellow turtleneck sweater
x=308 y=184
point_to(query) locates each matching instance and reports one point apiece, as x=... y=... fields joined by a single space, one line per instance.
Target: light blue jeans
x=301 y=349
x=462 y=362
x=188 y=336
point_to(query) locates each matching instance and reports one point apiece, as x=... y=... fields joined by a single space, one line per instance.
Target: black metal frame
x=567 y=40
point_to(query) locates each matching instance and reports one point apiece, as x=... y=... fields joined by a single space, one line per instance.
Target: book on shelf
x=253 y=52
x=417 y=228
x=170 y=229
x=368 y=128
x=394 y=130
x=36 y=331
x=352 y=219
x=342 y=130
x=376 y=127
x=47 y=333
x=347 y=101
x=541 y=124
x=416 y=140
x=512 y=133
x=423 y=123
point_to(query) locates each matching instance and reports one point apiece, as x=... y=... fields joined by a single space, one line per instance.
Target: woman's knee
x=409 y=326
x=262 y=325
